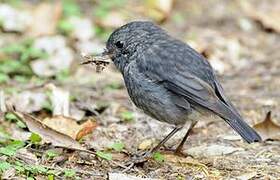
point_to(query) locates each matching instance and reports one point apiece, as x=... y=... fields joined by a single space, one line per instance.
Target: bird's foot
x=140 y=158
x=177 y=152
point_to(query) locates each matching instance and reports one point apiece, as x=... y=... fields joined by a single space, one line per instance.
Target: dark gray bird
x=169 y=80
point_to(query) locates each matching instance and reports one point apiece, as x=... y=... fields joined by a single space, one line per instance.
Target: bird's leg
x=174 y=131
x=178 y=150
x=148 y=154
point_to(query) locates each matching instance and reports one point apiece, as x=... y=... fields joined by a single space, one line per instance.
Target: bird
x=170 y=81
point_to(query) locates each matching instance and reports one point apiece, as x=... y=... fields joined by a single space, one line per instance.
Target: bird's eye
x=119 y=44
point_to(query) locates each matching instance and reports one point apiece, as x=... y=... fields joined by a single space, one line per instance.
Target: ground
x=240 y=40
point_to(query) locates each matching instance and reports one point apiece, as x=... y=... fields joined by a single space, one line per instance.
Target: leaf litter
x=233 y=51
x=48 y=134
x=268 y=129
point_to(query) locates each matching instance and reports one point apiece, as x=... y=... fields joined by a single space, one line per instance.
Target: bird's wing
x=185 y=73
x=182 y=72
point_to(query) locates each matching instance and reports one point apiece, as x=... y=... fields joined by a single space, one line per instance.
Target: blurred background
x=40 y=73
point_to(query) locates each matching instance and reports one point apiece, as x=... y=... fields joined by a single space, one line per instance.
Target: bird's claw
x=139 y=158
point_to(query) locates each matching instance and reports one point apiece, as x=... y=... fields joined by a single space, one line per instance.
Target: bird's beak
x=101 y=60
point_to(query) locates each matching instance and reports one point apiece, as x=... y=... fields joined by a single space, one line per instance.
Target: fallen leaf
x=69 y=126
x=62 y=124
x=85 y=129
x=268 y=129
x=48 y=134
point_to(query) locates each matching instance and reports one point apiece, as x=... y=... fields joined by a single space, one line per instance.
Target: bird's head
x=129 y=41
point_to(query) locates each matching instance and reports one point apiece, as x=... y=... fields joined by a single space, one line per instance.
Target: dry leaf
x=62 y=124
x=268 y=129
x=86 y=128
x=48 y=134
x=69 y=126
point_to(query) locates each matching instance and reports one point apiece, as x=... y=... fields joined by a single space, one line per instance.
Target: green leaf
x=16 y=144
x=127 y=116
x=69 y=173
x=36 y=169
x=21 y=79
x=158 y=157
x=4 y=166
x=20 y=124
x=32 y=53
x=35 y=138
x=13 y=48
x=11 y=117
x=19 y=169
x=62 y=75
x=7 y=151
x=65 y=26
x=117 y=146
x=11 y=149
x=50 y=177
x=11 y=66
x=4 y=78
x=71 y=8
x=51 y=154
x=104 y=155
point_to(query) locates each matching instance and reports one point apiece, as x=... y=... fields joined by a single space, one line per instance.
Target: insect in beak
x=101 y=61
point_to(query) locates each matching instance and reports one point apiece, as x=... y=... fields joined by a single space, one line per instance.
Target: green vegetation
x=118 y=146
x=158 y=157
x=127 y=116
x=104 y=155
x=11 y=148
x=14 y=119
x=16 y=59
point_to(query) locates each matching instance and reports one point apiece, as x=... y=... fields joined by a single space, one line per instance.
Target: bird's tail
x=244 y=130
x=234 y=119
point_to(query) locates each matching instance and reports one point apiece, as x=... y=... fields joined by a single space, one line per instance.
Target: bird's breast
x=153 y=98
